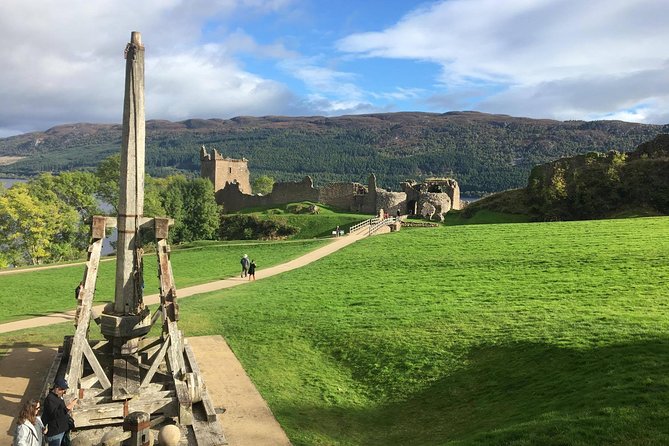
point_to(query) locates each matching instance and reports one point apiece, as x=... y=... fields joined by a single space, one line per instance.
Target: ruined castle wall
x=289 y=192
x=231 y=171
x=339 y=195
x=455 y=196
x=390 y=202
x=233 y=199
x=221 y=171
x=208 y=171
x=440 y=200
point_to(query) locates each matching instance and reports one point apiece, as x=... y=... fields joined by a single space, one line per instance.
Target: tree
x=192 y=204
x=153 y=188
x=263 y=185
x=202 y=215
x=35 y=230
x=109 y=174
x=76 y=189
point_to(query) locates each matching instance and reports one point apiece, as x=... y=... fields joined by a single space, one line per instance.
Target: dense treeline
x=47 y=219
x=483 y=152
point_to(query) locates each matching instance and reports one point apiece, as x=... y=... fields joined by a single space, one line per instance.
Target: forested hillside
x=485 y=153
x=591 y=186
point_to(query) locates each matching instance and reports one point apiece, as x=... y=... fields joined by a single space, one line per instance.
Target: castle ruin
x=233 y=190
x=221 y=170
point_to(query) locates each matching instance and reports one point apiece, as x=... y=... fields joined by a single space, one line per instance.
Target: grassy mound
x=309 y=225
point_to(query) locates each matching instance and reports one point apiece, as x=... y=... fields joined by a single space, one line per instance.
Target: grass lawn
x=310 y=226
x=37 y=293
x=507 y=334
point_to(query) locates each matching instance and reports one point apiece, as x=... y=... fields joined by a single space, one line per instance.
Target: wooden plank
x=125 y=383
x=51 y=375
x=157 y=360
x=95 y=365
x=75 y=362
x=209 y=433
x=207 y=404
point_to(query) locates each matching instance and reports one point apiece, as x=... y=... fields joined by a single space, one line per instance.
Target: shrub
x=250 y=227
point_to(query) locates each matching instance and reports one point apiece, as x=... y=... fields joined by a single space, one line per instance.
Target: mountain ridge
x=484 y=152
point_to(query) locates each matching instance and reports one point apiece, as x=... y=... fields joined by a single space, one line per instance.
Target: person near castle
x=252 y=270
x=56 y=415
x=29 y=427
x=245 y=265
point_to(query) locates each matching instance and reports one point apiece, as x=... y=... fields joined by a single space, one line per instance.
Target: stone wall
x=390 y=202
x=221 y=171
x=340 y=195
x=440 y=200
x=293 y=191
x=233 y=191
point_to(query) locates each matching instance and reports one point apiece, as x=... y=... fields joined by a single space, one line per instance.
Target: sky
x=558 y=59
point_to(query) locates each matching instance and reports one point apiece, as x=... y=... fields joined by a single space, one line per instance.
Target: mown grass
x=523 y=334
x=46 y=291
x=310 y=226
x=484 y=217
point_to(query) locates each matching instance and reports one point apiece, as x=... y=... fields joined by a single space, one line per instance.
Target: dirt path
x=316 y=254
x=247 y=419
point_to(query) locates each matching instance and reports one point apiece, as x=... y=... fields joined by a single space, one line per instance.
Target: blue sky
x=557 y=59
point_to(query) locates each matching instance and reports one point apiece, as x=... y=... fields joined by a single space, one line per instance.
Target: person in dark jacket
x=245 y=265
x=252 y=270
x=55 y=415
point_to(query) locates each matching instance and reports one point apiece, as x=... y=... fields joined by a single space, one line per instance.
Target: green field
x=507 y=334
x=30 y=294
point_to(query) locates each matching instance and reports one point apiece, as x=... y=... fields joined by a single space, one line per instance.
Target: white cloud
x=63 y=62
x=534 y=49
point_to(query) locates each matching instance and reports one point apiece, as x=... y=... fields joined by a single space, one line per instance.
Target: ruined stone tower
x=220 y=170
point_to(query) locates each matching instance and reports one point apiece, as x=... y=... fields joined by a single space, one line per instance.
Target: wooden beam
x=95 y=365
x=209 y=433
x=157 y=360
x=75 y=363
x=112 y=413
x=209 y=409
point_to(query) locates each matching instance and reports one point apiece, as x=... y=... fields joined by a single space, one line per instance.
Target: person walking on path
x=245 y=265
x=29 y=428
x=56 y=413
x=252 y=270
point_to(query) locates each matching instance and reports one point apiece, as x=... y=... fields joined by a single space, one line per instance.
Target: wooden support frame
x=168 y=376
x=80 y=346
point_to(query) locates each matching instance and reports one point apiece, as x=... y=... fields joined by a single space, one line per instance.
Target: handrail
x=357 y=226
x=380 y=223
x=373 y=223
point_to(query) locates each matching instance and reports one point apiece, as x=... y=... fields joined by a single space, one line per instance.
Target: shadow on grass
x=520 y=394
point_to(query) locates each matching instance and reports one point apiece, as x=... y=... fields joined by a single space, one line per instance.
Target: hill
x=593 y=185
x=483 y=152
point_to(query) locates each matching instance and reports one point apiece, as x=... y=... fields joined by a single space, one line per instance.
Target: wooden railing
x=380 y=223
x=371 y=225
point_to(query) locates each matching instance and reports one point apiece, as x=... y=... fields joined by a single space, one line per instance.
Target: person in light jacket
x=29 y=428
